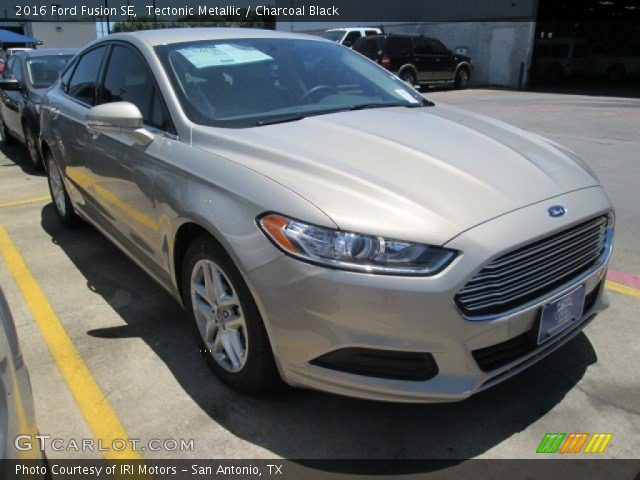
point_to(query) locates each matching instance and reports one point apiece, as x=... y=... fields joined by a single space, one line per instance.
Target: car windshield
x=44 y=71
x=250 y=82
x=333 y=35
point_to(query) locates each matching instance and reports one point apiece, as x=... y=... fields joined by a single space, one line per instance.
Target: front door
x=443 y=59
x=123 y=173
x=65 y=111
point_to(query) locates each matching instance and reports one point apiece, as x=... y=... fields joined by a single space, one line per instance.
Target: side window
x=422 y=46
x=16 y=71
x=438 y=47
x=400 y=46
x=159 y=114
x=351 y=38
x=9 y=68
x=64 y=83
x=368 y=33
x=128 y=79
x=85 y=76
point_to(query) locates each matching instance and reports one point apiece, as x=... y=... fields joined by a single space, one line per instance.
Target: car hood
x=419 y=174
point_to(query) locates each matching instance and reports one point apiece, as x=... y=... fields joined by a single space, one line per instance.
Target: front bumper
x=310 y=311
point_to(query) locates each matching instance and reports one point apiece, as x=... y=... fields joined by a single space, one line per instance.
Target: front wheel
x=229 y=330
x=61 y=202
x=462 y=79
x=32 y=148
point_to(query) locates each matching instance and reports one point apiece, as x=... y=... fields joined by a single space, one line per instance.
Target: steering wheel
x=316 y=89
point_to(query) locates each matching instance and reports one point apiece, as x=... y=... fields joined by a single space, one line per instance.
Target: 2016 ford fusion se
x=319 y=220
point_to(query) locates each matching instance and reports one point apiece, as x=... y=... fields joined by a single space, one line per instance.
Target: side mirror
x=10 y=84
x=120 y=118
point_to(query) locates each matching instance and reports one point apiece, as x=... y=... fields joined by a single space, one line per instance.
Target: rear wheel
x=408 y=77
x=32 y=148
x=61 y=202
x=228 y=327
x=462 y=78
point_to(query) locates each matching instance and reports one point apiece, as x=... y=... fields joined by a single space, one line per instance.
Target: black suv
x=417 y=59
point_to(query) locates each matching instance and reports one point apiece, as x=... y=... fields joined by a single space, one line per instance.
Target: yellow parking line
x=26 y=201
x=98 y=413
x=624 y=289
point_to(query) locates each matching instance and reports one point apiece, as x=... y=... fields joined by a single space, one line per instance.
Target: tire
x=227 y=325
x=31 y=141
x=408 y=77
x=462 y=78
x=61 y=202
x=615 y=73
x=7 y=138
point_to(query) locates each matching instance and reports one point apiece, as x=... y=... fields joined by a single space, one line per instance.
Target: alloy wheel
x=33 y=148
x=57 y=187
x=464 y=78
x=219 y=316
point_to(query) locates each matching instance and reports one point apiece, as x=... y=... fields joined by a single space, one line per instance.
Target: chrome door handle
x=54 y=112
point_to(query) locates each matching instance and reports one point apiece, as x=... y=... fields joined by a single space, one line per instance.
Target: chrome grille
x=534 y=270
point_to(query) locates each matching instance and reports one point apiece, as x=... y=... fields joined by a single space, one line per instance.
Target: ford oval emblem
x=556 y=211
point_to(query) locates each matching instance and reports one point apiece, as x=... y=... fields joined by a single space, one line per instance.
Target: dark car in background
x=417 y=59
x=26 y=76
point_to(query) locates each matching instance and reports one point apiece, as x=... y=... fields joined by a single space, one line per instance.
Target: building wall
x=69 y=35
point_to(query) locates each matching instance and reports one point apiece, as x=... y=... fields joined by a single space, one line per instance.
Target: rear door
x=400 y=52
x=424 y=59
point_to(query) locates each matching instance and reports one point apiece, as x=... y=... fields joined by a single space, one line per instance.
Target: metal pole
x=106 y=6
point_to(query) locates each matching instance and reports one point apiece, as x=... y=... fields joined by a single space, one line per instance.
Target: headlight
x=353 y=251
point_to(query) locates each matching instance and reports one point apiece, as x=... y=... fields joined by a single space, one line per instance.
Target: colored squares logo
x=574 y=443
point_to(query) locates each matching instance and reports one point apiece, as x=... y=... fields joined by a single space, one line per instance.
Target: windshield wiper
x=363 y=106
x=292 y=118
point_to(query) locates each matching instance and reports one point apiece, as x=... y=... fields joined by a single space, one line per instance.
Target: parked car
x=557 y=58
x=16 y=403
x=417 y=59
x=320 y=220
x=23 y=81
x=347 y=36
x=613 y=64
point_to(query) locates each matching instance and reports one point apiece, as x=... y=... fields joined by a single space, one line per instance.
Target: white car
x=348 y=36
x=14 y=50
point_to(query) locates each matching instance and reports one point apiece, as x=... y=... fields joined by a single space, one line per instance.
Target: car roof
x=167 y=36
x=344 y=29
x=49 y=52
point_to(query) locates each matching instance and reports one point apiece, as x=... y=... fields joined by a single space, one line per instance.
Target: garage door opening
x=590 y=46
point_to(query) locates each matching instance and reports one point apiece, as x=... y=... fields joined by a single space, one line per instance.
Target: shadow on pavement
x=17 y=155
x=301 y=424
